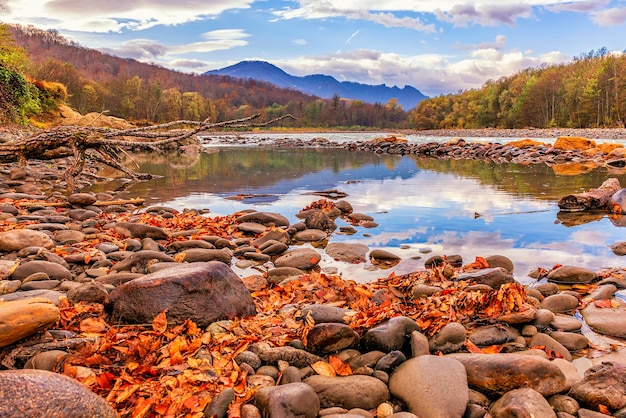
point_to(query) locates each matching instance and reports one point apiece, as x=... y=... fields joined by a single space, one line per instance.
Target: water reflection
x=470 y=208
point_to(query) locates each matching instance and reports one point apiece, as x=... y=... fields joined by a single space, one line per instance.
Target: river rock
x=492 y=277
x=19 y=319
x=135 y=230
x=9 y=286
x=327 y=313
x=561 y=302
x=523 y=402
x=608 y=321
x=16 y=239
x=218 y=407
x=318 y=219
x=252 y=227
x=570 y=340
x=384 y=257
x=390 y=361
x=40 y=393
x=603 y=384
x=52 y=295
x=194 y=255
x=202 y=292
x=90 y=292
x=449 y=339
x=496 y=374
x=310 y=235
x=331 y=337
x=349 y=391
x=53 y=270
x=302 y=258
x=500 y=261
x=543 y=340
x=392 y=334
x=81 y=199
x=571 y=274
x=619 y=248
x=139 y=261
x=492 y=335
x=291 y=400
x=350 y=253
x=565 y=323
x=431 y=386
x=277 y=275
x=265 y=218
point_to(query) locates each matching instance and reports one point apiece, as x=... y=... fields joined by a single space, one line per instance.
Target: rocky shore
x=141 y=306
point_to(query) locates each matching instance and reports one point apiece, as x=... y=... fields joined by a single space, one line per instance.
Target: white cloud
x=300 y=41
x=431 y=73
x=113 y=15
x=609 y=17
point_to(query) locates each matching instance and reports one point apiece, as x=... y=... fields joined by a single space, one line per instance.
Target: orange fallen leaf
x=604 y=303
x=339 y=366
x=92 y=325
x=159 y=323
x=324 y=369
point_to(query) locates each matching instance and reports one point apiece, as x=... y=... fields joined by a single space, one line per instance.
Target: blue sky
x=437 y=46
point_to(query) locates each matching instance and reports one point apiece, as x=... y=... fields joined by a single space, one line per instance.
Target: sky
x=436 y=46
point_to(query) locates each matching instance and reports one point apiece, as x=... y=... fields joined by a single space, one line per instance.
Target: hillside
x=147 y=93
x=322 y=85
x=589 y=92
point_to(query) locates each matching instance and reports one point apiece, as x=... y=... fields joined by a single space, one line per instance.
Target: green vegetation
x=589 y=92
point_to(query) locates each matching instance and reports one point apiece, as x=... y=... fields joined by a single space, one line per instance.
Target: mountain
x=323 y=86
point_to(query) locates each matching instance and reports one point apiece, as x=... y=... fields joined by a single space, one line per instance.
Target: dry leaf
x=324 y=369
x=339 y=366
x=159 y=323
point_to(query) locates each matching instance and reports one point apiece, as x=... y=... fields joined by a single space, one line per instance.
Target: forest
x=90 y=81
x=589 y=92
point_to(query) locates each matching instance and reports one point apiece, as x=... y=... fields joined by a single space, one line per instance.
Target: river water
x=423 y=206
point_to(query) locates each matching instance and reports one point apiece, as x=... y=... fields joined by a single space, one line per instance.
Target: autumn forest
x=41 y=69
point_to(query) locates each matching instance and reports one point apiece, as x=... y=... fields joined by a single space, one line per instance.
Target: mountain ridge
x=322 y=85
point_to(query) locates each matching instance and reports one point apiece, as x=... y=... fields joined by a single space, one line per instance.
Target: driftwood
x=103 y=144
x=594 y=199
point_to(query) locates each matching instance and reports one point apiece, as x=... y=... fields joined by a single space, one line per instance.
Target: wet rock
x=492 y=335
x=310 y=235
x=565 y=323
x=449 y=339
x=524 y=402
x=202 y=292
x=47 y=360
x=194 y=255
x=327 y=313
x=252 y=227
x=277 y=275
x=90 y=292
x=350 y=253
x=492 y=277
x=19 y=319
x=619 y=248
x=379 y=256
x=40 y=393
x=561 y=302
x=331 y=337
x=571 y=274
x=608 y=321
x=265 y=218
x=191 y=243
x=140 y=260
x=390 y=361
x=500 y=261
x=303 y=259
x=320 y=220
x=273 y=235
x=431 y=386
x=604 y=384
x=349 y=391
x=543 y=340
x=603 y=292
x=496 y=374
x=292 y=400
x=135 y=230
x=570 y=340
x=16 y=239
x=390 y=335
x=53 y=270
x=81 y=199
x=52 y=295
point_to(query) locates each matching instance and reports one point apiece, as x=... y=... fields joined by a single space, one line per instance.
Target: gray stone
x=302 y=258
x=431 y=386
x=16 y=239
x=349 y=391
x=277 y=275
x=47 y=360
x=523 y=402
x=492 y=335
x=331 y=337
x=252 y=227
x=496 y=374
x=390 y=361
x=265 y=218
x=40 y=393
x=202 y=292
x=449 y=339
x=291 y=400
x=571 y=274
x=492 y=277
x=390 y=335
x=350 y=253
x=53 y=270
x=608 y=321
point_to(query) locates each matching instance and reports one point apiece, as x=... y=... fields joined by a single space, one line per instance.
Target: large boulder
x=603 y=384
x=203 y=292
x=431 y=386
x=21 y=318
x=40 y=393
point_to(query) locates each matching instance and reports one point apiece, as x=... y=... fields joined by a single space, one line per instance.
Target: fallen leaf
x=159 y=323
x=324 y=369
x=339 y=366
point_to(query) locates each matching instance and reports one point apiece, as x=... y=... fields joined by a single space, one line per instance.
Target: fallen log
x=594 y=199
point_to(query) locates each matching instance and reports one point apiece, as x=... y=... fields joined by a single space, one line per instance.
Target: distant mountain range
x=323 y=86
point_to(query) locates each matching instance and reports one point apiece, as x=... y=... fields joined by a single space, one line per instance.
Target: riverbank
x=297 y=339
x=591 y=133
